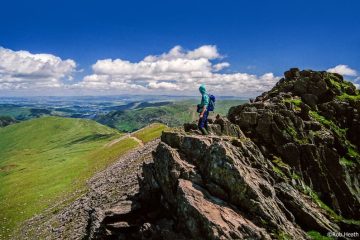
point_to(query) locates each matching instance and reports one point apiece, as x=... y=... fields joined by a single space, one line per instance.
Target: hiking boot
x=204 y=131
x=207 y=129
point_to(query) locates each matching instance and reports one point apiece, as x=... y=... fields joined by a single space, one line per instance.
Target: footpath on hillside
x=128 y=135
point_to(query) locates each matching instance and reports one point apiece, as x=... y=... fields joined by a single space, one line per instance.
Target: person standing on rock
x=202 y=109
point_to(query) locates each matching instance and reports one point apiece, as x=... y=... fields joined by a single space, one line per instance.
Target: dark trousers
x=203 y=122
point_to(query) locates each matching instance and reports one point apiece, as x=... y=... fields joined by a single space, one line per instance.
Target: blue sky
x=253 y=37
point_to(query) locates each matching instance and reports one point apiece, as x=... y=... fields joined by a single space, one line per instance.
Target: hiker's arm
x=203 y=111
x=205 y=103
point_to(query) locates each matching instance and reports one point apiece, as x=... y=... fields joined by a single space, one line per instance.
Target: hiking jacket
x=204 y=97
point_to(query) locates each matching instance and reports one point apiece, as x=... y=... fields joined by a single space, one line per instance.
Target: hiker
x=202 y=108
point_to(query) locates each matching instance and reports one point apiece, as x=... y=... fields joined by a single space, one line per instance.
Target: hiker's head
x=202 y=89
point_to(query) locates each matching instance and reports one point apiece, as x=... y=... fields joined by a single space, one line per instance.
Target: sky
x=239 y=48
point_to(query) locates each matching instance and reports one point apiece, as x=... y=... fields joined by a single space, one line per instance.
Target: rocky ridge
x=284 y=166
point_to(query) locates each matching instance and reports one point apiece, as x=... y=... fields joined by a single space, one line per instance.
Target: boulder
x=310 y=99
x=292 y=73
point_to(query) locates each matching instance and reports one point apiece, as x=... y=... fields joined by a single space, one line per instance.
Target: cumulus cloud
x=177 y=70
x=206 y=51
x=343 y=70
x=220 y=66
x=163 y=85
x=24 y=70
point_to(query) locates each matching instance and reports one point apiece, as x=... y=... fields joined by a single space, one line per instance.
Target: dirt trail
x=128 y=135
x=138 y=140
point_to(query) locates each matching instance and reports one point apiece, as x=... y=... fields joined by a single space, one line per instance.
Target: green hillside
x=150 y=132
x=22 y=112
x=43 y=160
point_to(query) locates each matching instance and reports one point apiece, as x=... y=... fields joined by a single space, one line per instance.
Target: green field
x=44 y=160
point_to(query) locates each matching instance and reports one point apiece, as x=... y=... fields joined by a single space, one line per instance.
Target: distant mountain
x=6 y=120
x=20 y=112
x=153 y=104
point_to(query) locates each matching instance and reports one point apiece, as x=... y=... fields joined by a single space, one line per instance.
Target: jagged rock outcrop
x=311 y=121
x=283 y=165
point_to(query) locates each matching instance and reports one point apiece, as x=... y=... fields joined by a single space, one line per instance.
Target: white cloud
x=343 y=70
x=24 y=70
x=357 y=85
x=163 y=85
x=177 y=71
x=220 y=66
x=206 y=51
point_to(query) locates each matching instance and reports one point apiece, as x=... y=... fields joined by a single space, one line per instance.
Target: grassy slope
x=150 y=132
x=43 y=160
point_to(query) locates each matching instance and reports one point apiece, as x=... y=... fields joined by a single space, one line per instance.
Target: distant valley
x=127 y=113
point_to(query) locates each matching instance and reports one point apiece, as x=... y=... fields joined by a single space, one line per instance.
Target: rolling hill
x=47 y=160
x=6 y=120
